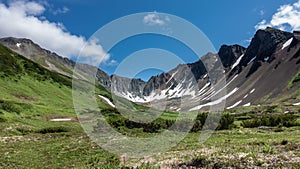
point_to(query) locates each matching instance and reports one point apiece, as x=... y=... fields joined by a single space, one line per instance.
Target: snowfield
x=287 y=43
x=107 y=101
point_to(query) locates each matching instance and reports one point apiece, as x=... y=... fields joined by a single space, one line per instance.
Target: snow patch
x=296 y=104
x=287 y=43
x=172 y=76
x=235 y=104
x=245 y=96
x=237 y=61
x=246 y=105
x=18 y=45
x=266 y=58
x=251 y=60
x=227 y=84
x=216 y=101
x=61 y=119
x=107 y=101
x=204 y=87
x=252 y=91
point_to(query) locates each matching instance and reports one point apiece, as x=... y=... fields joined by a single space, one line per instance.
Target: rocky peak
x=230 y=53
x=264 y=43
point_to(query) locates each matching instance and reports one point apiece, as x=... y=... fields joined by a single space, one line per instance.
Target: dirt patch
x=25 y=98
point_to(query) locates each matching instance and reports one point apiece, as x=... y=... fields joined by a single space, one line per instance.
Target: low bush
x=220 y=123
x=9 y=107
x=24 y=130
x=286 y=120
x=2 y=119
x=58 y=129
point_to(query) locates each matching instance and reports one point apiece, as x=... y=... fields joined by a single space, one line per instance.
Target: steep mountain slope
x=35 y=53
x=31 y=96
x=13 y=65
x=52 y=61
x=268 y=66
x=264 y=72
x=259 y=74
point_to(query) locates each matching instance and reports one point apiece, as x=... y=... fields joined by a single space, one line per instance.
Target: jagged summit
x=230 y=53
x=264 y=43
x=263 y=69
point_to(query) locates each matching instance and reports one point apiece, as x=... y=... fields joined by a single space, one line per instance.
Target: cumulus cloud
x=24 y=19
x=154 y=19
x=286 y=18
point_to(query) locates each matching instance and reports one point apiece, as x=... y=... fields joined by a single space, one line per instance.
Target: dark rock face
x=229 y=54
x=264 y=44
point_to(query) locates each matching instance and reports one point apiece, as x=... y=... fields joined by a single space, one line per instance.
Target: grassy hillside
x=30 y=96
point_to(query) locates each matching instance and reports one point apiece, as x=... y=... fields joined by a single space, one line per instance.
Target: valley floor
x=236 y=148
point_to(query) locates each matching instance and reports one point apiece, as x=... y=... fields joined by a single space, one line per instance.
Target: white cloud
x=23 y=19
x=60 y=11
x=286 y=18
x=27 y=8
x=112 y=63
x=154 y=19
x=262 y=25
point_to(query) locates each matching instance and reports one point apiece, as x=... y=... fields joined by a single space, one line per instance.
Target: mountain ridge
x=269 y=47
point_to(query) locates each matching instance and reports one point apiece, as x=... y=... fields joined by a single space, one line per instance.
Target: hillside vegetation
x=31 y=96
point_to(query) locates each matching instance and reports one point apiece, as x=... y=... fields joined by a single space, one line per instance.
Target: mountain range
x=265 y=72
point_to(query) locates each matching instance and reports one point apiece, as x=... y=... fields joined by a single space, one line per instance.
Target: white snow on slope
x=246 y=105
x=234 y=105
x=227 y=84
x=252 y=91
x=107 y=101
x=266 y=58
x=172 y=76
x=18 y=45
x=287 y=43
x=61 y=119
x=296 y=104
x=216 y=101
x=204 y=87
x=251 y=60
x=237 y=62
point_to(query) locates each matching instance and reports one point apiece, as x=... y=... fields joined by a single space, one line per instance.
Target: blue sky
x=223 y=22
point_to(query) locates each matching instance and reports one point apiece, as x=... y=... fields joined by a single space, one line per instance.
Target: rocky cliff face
x=263 y=69
x=229 y=54
x=262 y=47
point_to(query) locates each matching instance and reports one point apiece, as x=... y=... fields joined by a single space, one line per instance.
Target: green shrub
x=23 y=130
x=226 y=121
x=286 y=120
x=57 y=129
x=117 y=121
x=9 y=107
x=2 y=119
